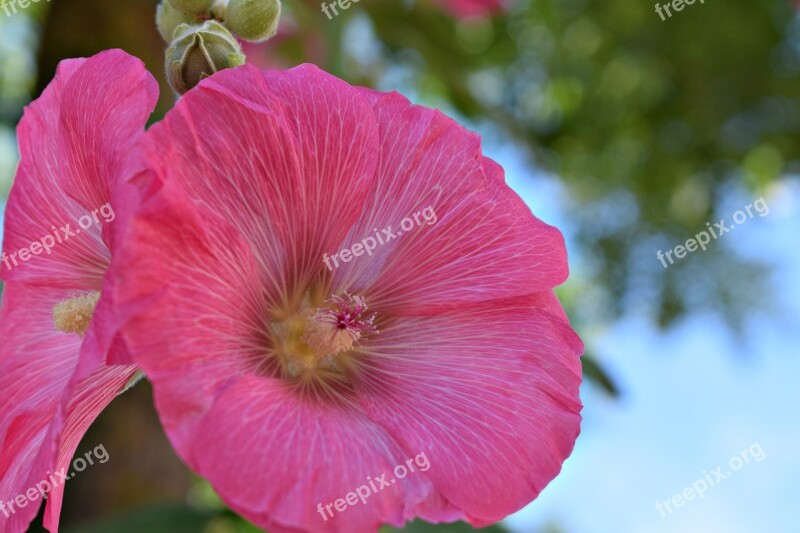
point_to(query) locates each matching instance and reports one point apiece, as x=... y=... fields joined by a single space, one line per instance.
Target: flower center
x=315 y=342
x=75 y=314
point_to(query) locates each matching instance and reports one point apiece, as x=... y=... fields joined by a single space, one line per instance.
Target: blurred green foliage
x=459 y=527
x=184 y=519
x=650 y=125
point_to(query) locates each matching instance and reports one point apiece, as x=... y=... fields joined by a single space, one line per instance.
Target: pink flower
x=473 y=8
x=288 y=383
x=76 y=142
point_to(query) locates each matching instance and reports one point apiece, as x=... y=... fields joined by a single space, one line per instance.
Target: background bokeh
x=628 y=132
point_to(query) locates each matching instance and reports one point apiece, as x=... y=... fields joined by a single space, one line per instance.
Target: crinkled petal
x=319 y=450
x=74 y=140
x=84 y=402
x=263 y=153
x=489 y=392
x=197 y=297
x=37 y=363
x=77 y=142
x=479 y=240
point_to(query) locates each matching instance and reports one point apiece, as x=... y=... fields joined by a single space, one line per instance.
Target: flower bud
x=219 y=10
x=197 y=52
x=253 y=20
x=168 y=18
x=192 y=7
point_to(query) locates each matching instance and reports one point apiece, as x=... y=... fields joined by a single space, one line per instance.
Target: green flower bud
x=253 y=20
x=197 y=52
x=192 y=7
x=168 y=18
x=219 y=10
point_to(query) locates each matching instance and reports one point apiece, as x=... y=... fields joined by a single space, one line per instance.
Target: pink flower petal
x=318 y=452
x=427 y=160
x=83 y=404
x=291 y=205
x=489 y=392
x=198 y=293
x=100 y=122
x=32 y=386
x=38 y=435
x=77 y=143
x=73 y=140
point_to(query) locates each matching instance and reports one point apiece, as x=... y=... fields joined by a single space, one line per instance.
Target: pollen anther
x=330 y=330
x=317 y=343
x=75 y=314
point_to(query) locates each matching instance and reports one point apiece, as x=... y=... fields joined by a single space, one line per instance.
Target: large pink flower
x=77 y=144
x=290 y=382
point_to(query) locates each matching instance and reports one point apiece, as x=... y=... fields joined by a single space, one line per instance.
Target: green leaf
x=157 y=519
x=596 y=374
x=419 y=526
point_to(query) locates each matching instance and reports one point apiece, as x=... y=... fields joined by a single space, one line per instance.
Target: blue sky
x=694 y=397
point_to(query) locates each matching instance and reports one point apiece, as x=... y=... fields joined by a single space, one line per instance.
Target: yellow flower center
x=75 y=314
x=316 y=342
